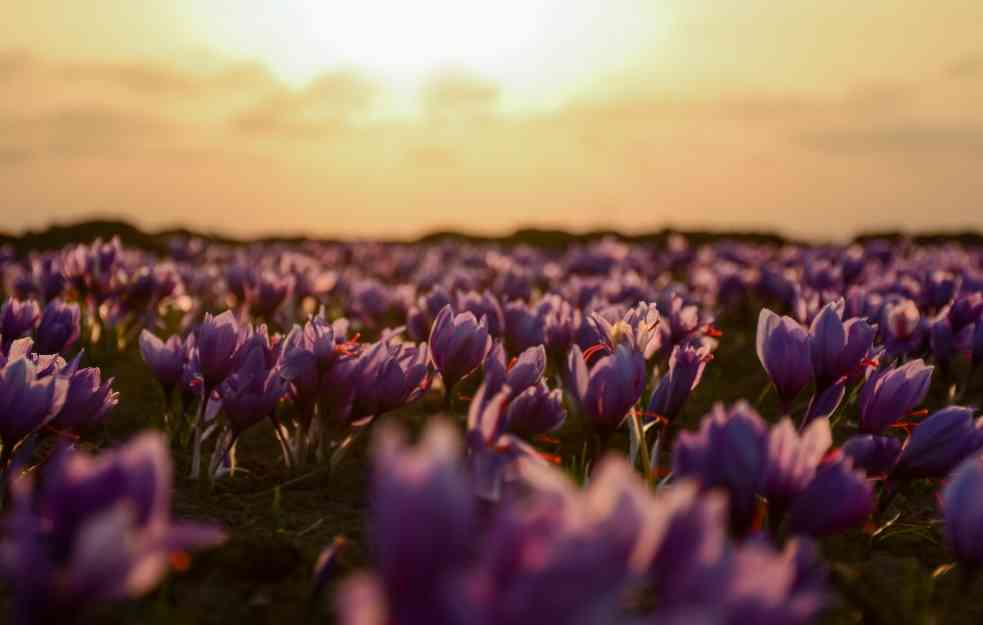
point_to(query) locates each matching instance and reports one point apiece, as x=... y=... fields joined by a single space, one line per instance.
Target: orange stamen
x=551 y=458
x=180 y=561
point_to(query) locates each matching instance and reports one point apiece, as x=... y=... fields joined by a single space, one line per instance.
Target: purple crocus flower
x=888 y=396
x=458 y=343
x=761 y=587
x=251 y=393
x=686 y=366
x=494 y=457
x=680 y=319
x=826 y=403
x=730 y=451
x=943 y=342
x=836 y=481
x=837 y=348
x=965 y=311
x=371 y=301
x=697 y=571
x=793 y=458
x=609 y=389
x=939 y=443
x=638 y=328
x=422 y=524
x=523 y=328
x=218 y=340
x=266 y=291
x=28 y=401
x=98 y=529
x=608 y=529
x=308 y=352
x=17 y=319
x=420 y=317
x=387 y=376
x=483 y=306
x=783 y=349
x=962 y=506
x=902 y=327
x=876 y=455
x=87 y=401
x=537 y=410
x=560 y=321
x=165 y=359
x=520 y=374
x=695 y=535
x=59 y=328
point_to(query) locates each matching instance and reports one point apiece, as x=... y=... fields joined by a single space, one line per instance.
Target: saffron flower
x=939 y=443
x=686 y=365
x=165 y=358
x=784 y=351
x=97 y=529
x=59 y=328
x=458 y=344
x=609 y=389
x=889 y=395
x=962 y=507
x=837 y=348
x=730 y=451
x=28 y=400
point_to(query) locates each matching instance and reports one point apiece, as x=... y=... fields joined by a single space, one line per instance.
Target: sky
x=391 y=119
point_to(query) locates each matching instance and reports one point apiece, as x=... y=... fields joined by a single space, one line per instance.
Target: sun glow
x=533 y=45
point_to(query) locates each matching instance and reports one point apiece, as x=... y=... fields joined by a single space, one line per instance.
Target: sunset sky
x=387 y=118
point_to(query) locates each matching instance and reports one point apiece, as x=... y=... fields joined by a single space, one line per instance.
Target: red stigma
x=512 y=362
x=919 y=413
x=654 y=416
x=72 y=436
x=180 y=561
x=713 y=331
x=870 y=362
x=593 y=349
x=907 y=426
x=833 y=455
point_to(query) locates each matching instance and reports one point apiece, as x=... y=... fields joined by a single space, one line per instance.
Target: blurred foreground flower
x=94 y=529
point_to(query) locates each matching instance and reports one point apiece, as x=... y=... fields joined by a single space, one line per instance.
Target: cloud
x=14 y=62
x=913 y=139
x=125 y=136
x=153 y=79
x=458 y=93
x=967 y=66
x=324 y=107
x=146 y=78
x=78 y=132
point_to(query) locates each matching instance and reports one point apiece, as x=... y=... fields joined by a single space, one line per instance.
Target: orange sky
x=373 y=119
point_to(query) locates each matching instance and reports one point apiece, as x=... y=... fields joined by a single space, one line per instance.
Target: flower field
x=679 y=431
